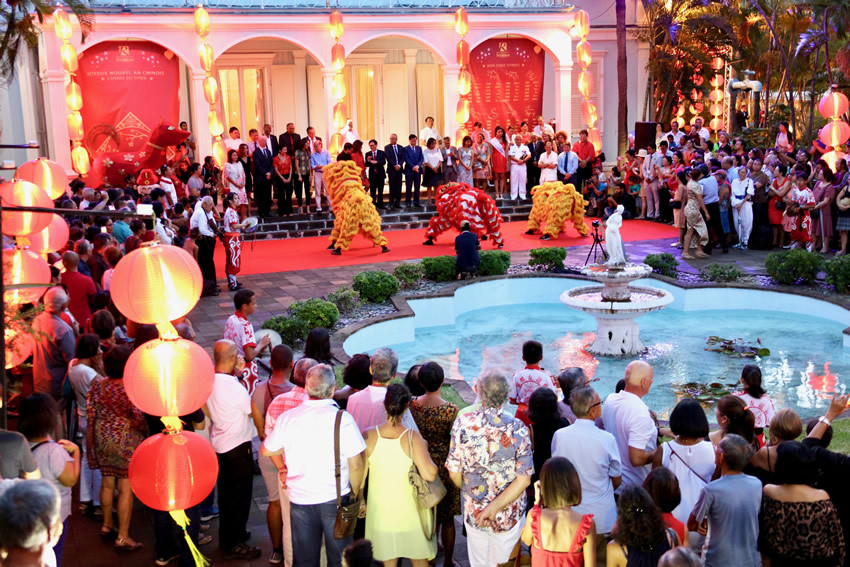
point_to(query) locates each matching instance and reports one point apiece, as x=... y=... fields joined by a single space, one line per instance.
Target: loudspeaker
x=644 y=135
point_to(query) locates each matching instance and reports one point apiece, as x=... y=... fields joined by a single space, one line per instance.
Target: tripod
x=597 y=245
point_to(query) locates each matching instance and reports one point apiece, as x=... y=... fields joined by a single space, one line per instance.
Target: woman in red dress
x=499 y=144
x=778 y=190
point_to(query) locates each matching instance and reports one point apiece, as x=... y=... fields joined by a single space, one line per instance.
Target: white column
x=327 y=84
x=200 y=108
x=56 y=116
x=301 y=102
x=563 y=97
x=412 y=108
x=450 y=98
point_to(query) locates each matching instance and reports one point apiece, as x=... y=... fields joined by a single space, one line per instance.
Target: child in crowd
x=663 y=486
x=529 y=379
x=756 y=399
x=797 y=213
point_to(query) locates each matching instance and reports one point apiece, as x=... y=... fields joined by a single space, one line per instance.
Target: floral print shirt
x=491 y=449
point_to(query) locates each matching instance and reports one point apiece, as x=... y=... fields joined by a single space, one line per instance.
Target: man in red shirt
x=586 y=154
x=80 y=288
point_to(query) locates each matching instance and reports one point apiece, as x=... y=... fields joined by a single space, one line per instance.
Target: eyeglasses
x=599 y=403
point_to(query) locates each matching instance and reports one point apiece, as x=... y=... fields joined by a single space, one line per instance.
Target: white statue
x=613 y=240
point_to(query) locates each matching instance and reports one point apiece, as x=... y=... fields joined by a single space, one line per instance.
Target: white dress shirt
x=548 y=173
x=199 y=220
x=627 y=418
x=232 y=144
x=518 y=152
x=230 y=413
x=547 y=129
x=306 y=435
x=426 y=133
x=349 y=135
x=593 y=452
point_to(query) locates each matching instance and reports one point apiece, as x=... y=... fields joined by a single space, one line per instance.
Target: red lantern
x=69 y=57
x=173 y=471
x=156 y=284
x=462 y=111
x=18 y=347
x=24 y=267
x=583 y=53
x=75 y=126
x=51 y=239
x=340 y=115
x=717 y=63
x=716 y=124
x=211 y=91
x=336 y=144
x=80 y=159
x=464 y=82
x=716 y=96
x=335 y=25
x=207 y=56
x=216 y=127
x=338 y=57
x=581 y=25
x=835 y=133
x=585 y=83
x=169 y=377
x=338 y=86
x=202 y=21
x=46 y=174
x=73 y=96
x=219 y=152
x=24 y=194
x=833 y=104
x=717 y=81
x=462 y=53
x=595 y=138
x=461 y=22
x=589 y=113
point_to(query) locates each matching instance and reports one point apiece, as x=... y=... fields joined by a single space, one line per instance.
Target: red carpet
x=269 y=256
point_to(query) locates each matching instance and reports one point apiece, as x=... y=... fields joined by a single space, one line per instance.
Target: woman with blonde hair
x=785 y=426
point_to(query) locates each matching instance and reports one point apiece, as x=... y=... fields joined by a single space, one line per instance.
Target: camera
x=595 y=224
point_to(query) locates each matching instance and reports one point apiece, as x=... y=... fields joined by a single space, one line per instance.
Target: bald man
x=627 y=418
x=234 y=420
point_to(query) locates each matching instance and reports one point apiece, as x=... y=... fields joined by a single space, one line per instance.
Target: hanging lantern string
x=80 y=159
x=464 y=78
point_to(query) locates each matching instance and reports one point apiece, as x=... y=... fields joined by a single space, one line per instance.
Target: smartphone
x=103 y=229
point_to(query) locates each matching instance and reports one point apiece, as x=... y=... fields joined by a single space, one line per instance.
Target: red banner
x=129 y=88
x=507 y=83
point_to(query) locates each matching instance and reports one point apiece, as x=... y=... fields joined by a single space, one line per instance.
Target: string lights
x=464 y=78
x=579 y=30
x=340 y=111
x=73 y=94
x=211 y=90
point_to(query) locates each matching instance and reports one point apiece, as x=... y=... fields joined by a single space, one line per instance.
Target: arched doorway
x=394 y=83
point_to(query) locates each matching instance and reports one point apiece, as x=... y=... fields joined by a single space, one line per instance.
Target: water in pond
x=806 y=365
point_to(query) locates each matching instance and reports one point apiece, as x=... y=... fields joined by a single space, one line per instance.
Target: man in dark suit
x=395 y=162
x=537 y=148
x=263 y=177
x=289 y=139
x=376 y=160
x=267 y=132
x=413 y=161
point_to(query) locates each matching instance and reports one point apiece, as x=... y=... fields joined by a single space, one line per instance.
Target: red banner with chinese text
x=507 y=83
x=128 y=87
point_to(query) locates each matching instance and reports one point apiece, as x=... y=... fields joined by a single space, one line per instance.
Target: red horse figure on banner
x=112 y=167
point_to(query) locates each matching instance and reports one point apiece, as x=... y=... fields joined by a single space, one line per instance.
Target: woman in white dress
x=548 y=164
x=234 y=177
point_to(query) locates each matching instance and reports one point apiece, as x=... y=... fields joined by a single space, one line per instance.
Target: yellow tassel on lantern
x=464 y=82
x=62 y=24
x=75 y=126
x=338 y=86
x=211 y=91
x=69 y=57
x=80 y=159
x=181 y=519
x=73 y=96
x=207 y=56
x=202 y=21
x=462 y=112
x=216 y=127
x=172 y=422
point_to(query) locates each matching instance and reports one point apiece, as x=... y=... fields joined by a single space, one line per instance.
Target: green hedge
x=345 y=299
x=375 y=286
x=721 y=273
x=439 y=268
x=304 y=316
x=793 y=266
x=494 y=263
x=550 y=258
x=838 y=273
x=408 y=274
x=664 y=264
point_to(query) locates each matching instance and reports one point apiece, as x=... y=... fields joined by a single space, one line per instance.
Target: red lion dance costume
x=352 y=207
x=458 y=202
x=555 y=204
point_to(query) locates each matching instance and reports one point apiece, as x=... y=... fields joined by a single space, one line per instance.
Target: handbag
x=675 y=204
x=426 y=494
x=346 y=516
x=780 y=205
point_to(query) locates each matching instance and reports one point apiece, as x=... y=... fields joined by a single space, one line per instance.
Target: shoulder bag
x=427 y=494
x=346 y=516
x=684 y=462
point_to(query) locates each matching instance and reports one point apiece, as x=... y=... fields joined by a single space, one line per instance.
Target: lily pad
x=736 y=347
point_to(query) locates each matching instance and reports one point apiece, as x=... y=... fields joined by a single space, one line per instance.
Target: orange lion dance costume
x=458 y=202
x=352 y=207
x=554 y=204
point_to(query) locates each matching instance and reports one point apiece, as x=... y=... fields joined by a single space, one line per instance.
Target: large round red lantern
x=21 y=193
x=156 y=283
x=18 y=347
x=51 y=239
x=835 y=133
x=46 y=174
x=173 y=471
x=169 y=377
x=833 y=104
x=24 y=267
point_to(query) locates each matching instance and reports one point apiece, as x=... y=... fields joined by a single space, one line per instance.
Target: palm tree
x=21 y=19
x=622 y=81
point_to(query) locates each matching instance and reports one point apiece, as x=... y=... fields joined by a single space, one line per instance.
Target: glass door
x=364 y=101
x=242 y=98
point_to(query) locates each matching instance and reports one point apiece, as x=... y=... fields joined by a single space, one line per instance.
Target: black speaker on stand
x=644 y=135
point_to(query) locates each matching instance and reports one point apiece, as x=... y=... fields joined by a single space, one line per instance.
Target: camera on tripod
x=595 y=224
x=597 y=247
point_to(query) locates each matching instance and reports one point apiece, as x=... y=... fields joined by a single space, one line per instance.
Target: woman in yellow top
x=392 y=516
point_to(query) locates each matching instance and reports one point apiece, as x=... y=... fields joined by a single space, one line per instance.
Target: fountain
x=616 y=304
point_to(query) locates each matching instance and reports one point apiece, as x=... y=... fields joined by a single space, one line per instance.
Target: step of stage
x=295 y=226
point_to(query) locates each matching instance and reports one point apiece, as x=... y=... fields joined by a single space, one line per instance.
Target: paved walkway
x=275 y=292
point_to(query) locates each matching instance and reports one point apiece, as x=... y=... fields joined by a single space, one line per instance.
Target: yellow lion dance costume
x=352 y=207
x=553 y=205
